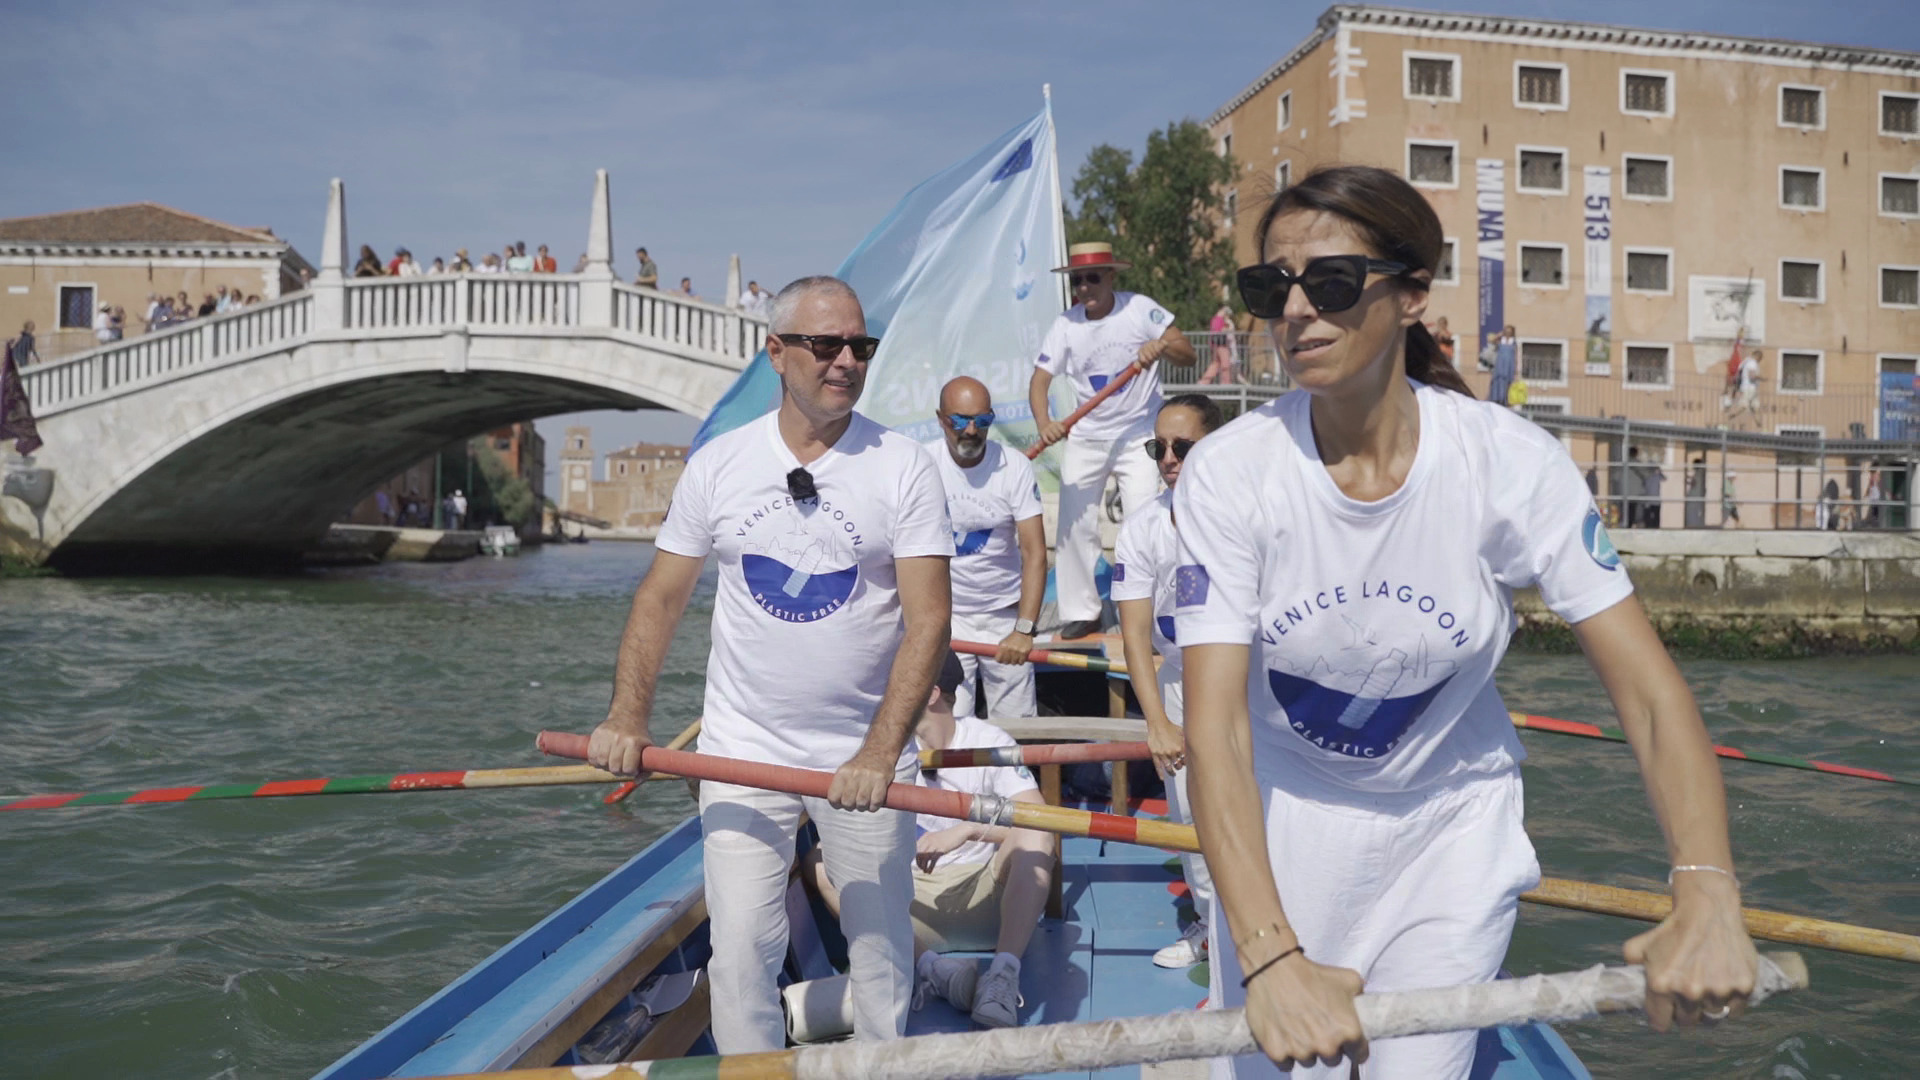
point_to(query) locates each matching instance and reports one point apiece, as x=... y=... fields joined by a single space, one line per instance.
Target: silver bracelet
x=1702 y=866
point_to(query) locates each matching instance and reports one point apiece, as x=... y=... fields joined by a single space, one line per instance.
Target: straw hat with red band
x=1094 y=256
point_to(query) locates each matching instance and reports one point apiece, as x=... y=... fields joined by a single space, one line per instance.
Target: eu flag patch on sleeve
x=1190 y=584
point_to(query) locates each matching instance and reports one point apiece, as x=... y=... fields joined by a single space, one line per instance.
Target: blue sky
x=777 y=131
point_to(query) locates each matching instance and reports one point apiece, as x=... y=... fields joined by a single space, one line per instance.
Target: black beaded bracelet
x=1301 y=949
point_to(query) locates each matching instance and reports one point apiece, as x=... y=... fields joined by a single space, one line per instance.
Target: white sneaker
x=997 y=1000
x=949 y=978
x=1188 y=951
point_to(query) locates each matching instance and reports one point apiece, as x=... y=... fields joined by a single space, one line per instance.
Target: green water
x=265 y=938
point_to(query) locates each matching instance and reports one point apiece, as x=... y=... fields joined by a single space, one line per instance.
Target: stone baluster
x=330 y=288
x=596 y=287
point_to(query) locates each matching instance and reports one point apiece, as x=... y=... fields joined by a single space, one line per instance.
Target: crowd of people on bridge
x=513 y=259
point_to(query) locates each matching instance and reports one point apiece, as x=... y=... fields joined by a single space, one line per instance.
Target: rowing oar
x=1091 y=403
x=546 y=776
x=679 y=742
x=1182 y=1035
x=1048 y=656
x=1067 y=821
x=1038 y=754
x=1590 y=731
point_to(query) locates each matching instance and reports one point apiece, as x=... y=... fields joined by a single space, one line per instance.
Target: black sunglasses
x=1157 y=448
x=1088 y=277
x=1331 y=282
x=828 y=346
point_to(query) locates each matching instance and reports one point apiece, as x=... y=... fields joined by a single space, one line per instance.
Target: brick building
x=635 y=483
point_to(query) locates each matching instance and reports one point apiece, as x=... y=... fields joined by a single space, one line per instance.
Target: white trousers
x=1418 y=894
x=1009 y=687
x=1083 y=481
x=749 y=839
x=1194 y=867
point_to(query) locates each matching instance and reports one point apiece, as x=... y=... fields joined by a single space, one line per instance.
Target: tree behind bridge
x=1163 y=217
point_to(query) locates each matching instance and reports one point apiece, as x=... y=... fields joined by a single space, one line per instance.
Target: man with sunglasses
x=816 y=515
x=1000 y=550
x=1102 y=335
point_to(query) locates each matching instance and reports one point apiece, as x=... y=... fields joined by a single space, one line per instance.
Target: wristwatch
x=1023 y=626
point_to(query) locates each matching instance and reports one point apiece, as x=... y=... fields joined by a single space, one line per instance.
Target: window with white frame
x=1799 y=372
x=1802 y=188
x=1802 y=280
x=1540 y=85
x=1543 y=361
x=1283 y=112
x=1432 y=76
x=1899 y=113
x=1447 y=274
x=1899 y=365
x=1900 y=286
x=76 y=307
x=1233 y=205
x=1900 y=195
x=1646 y=93
x=1226 y=145
x=1543 y=265
x=1283 y=176
x=1649 y=365
x=1649 y=270
x=1648 y=177
x=1803 y=106
x=1543 y=170
x=1433 y=163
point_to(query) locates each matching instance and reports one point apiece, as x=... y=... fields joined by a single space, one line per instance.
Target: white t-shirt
x=102 y=324
x=807 y=618
x=984 y=503
x=973 y=734
x=1376 y=627
x=1092 y=352
x=755 y=305
x=1144 y=558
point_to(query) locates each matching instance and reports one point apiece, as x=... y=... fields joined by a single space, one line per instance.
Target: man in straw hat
x=1100 y=336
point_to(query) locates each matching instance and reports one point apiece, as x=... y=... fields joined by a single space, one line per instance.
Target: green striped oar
x=1591 y=731
x=543 y=776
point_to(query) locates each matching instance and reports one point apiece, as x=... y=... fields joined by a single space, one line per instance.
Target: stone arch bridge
x=241 y=437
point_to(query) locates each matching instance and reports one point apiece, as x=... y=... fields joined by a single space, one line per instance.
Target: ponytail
x=1427 y=364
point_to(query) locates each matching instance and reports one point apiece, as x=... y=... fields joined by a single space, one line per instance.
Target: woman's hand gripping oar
x=1067 y=821
x=680 y=742
x=1074 y=417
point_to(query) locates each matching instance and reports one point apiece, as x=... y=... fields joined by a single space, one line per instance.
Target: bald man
x=1000 y=552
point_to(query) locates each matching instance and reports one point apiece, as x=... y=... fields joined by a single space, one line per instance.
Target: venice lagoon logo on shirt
x=805 y=572
x=1593 y=533
x=970 y=543
x=1354 y=710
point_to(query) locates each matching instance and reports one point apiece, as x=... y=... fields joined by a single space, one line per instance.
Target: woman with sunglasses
x=1349 y=554
x=1145 y=556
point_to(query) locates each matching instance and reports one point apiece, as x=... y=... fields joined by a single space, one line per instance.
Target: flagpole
x=1059 y=203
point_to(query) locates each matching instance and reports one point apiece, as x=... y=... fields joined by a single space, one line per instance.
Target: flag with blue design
x=956 y=280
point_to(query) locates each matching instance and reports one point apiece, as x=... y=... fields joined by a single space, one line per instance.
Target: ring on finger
x=1718 y=1014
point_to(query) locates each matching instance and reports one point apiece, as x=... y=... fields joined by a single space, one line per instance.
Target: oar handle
x=1100 y=395
x=1037 y=754
x=1058 y=657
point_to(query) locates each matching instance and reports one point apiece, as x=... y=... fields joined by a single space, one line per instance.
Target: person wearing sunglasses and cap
x=1103 y=334
x=1145 y=557
x=999 y=550
x=1349 y=554
x=829 y=624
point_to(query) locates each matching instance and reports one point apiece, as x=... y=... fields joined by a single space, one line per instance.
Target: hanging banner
x=1899 y=405
x=1599 y=210
x=1491 y=200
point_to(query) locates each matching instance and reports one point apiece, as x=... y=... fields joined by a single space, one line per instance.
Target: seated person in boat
x=830 y=620
x=999 y=550
x=1145 y=558
x=975 y=887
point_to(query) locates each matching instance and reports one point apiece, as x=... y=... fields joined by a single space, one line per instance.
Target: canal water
x=264 y=938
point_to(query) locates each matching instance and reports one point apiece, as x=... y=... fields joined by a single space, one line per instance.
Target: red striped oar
x=984 y=809
x=1038 y=754
x=1059 y=658
x=1592 y=731
x=679 y=742
x=457 y=779
x=1091 y=403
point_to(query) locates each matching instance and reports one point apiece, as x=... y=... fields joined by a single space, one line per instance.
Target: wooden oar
x=1591 y=731
x=679 y=742
x=1038 y=754
x=1059 y=658
x=546 y=776
x=1067 y=821
x=1183 y=1035
x=1091 y=403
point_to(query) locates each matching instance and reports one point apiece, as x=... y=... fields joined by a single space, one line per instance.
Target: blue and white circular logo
x=793 y=576
x=1593 y=533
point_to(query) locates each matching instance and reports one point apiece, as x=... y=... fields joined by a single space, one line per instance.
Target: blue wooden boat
x=618 y=966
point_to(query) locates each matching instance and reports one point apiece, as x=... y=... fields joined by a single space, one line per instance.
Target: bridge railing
x=693 y=323
x=52 y=385
x=465 y=299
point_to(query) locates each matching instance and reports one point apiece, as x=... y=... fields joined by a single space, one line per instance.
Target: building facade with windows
x=634 y=489
x=1636 y=203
